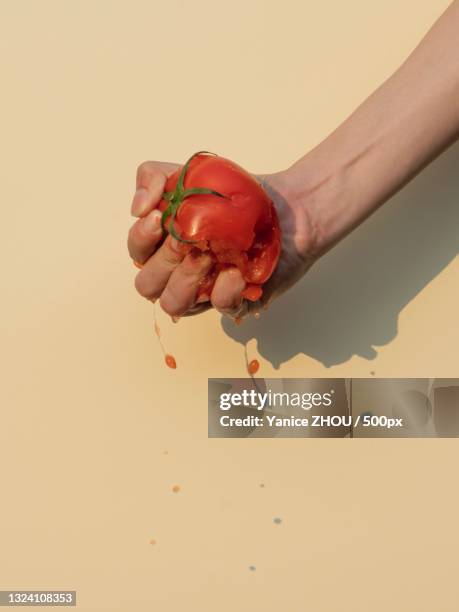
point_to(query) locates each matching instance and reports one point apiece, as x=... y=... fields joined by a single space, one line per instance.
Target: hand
x=173 y=277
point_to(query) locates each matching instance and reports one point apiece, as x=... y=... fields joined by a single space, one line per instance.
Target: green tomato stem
x=176 y=197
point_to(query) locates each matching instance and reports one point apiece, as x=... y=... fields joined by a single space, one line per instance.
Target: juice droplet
x=157 y=330
x=238 y=320
x=256 y=314
x=175 y=489
x=253 y=366
x=170 y=361
x=137 y=264
x=252 y=293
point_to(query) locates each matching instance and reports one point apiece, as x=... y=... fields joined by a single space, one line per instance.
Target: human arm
x=399 y=129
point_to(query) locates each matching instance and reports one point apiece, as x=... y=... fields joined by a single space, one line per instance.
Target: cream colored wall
x=89 y=90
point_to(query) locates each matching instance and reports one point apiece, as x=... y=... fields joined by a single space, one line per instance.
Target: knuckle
x=131 y=235
x=145 y=166
x=171 y=256
x=170 y=259
x=148 y=172
x=196 y=266
x=143 y=285
x=179 y=295
x=131 y=242
x=140 y=237
x=135 y=233
x=170 y=305
x=158 y=179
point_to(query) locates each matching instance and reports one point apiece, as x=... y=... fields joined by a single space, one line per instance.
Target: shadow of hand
x=349 y=301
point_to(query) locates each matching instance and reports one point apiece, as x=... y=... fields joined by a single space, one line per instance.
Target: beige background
x=89 y=90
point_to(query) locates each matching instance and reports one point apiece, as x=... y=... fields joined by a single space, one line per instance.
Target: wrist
x=320 y=193
x=340 y=183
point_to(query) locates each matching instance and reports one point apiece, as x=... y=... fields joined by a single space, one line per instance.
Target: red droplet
x=253 y=366
x=238 y=320
x=170 y=361
x=252 y=293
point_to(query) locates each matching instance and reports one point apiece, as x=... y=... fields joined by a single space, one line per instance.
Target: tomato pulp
x=213 y=205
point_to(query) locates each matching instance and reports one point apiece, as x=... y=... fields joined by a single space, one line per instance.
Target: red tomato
x=213 y=205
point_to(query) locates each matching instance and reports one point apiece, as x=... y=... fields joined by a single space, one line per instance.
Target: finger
x=226 y=293
x=180 y=292
x=153 y=277
x=150 y=181
x=144 y=236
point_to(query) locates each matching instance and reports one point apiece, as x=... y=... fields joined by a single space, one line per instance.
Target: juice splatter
x=170 y=361
x=253 y=366
x=168 y=358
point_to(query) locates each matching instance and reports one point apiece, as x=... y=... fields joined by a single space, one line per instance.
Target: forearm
x=400 y=128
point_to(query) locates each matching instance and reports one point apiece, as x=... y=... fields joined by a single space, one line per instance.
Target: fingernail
x=152 y=222
x=140 y=202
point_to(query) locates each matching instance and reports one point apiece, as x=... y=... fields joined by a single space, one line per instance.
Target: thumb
x=150 y=181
